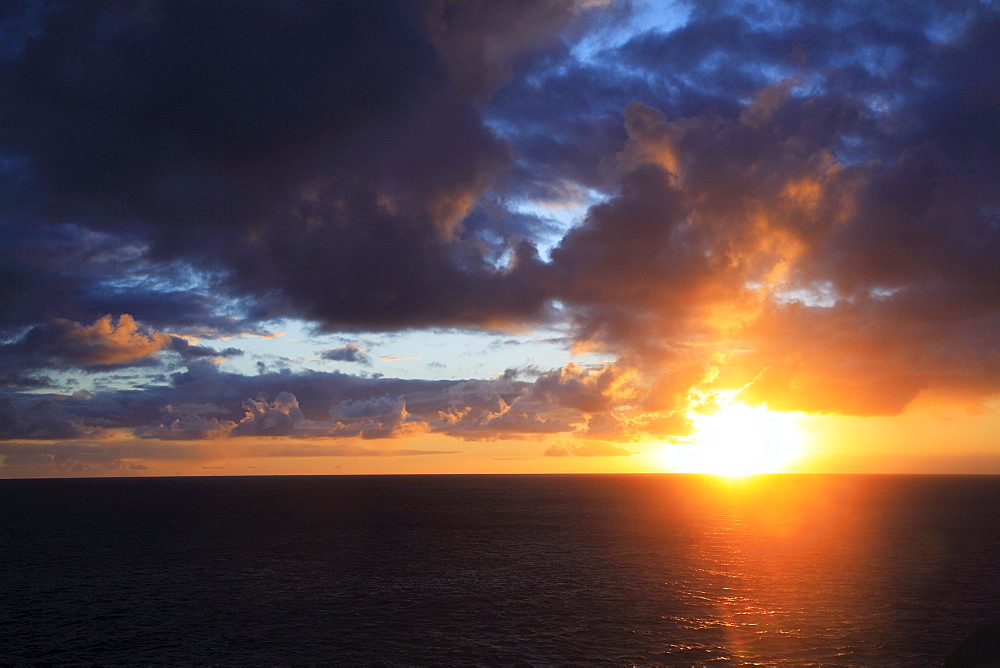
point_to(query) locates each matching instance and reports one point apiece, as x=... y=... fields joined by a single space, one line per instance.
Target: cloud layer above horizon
x=795 y=198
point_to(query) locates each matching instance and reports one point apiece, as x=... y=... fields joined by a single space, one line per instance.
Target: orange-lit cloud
x=105 y=342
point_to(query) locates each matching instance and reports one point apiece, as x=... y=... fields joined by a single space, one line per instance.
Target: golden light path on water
x=737 y=440
x=784 y=563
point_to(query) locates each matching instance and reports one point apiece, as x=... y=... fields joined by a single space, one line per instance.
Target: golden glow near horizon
x=737 y=440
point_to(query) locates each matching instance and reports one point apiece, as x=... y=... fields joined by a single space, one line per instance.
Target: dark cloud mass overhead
x=796 y=198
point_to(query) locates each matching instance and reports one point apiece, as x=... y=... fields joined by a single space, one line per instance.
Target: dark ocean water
x=632 y=569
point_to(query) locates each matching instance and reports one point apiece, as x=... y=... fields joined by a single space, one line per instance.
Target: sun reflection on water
x=772 y=562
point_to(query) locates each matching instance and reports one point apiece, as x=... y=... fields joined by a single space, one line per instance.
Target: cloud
x=271 y=418
x=491 y=417
x=378 y=417
x=24 y=381
x=188 y=350
x=725 y=218
x=45 y=418
x=62 y=343
x=187 y=422
x=558 y=401
x=397 y=358
x=351 y=352
x=206 y=403
x=81 y=274
x=347 y=150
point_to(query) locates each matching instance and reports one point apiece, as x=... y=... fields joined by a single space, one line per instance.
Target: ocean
x=497 y=570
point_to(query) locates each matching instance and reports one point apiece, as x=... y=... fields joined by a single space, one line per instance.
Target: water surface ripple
x=634 y=569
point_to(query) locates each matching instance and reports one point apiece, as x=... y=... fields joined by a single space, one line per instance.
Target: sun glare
x=738 y=440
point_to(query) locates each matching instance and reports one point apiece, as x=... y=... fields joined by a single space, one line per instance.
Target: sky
x=494 y=237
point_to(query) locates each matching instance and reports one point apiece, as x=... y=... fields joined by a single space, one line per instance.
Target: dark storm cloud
x=17 y=380
x=564 y=122
x=293 y=147
x=77 y=273
x=177 y=111
x=45 y=418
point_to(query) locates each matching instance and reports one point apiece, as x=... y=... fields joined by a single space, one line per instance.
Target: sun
x=738 y=440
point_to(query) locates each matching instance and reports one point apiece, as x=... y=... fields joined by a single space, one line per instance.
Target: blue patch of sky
x=561 y=215
x=822 y=294
x=412 y=354
x=501 y=126
x=705 y=78
x=646 y=15
x=135 y=275
x=767 y=74
x=139 y=277
x=118 y=381
x=851 y=150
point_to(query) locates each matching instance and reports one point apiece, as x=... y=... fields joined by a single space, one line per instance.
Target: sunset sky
x=489 y=237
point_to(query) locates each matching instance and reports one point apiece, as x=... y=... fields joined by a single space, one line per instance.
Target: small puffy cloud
x=187 y=422
x=280 y=417
x=188 y=350
x=504 y=422
x=352 y=352
x=587 y=391
x=564 y=400
x=502 y=408
x=378 y=417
